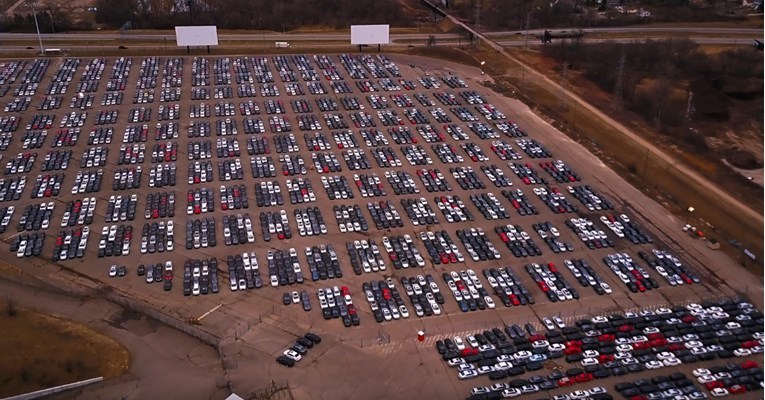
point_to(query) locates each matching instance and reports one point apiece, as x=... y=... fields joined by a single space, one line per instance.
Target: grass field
x=41 y=351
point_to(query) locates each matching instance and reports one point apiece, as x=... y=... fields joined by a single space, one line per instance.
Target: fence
x=274 y=391
x=146 y=309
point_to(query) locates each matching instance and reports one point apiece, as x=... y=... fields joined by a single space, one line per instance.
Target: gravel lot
x=258 y=327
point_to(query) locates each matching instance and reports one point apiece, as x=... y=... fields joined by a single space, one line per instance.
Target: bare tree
x=660 y=92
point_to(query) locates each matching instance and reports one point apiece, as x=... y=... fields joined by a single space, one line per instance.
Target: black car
x=286 y=361
x=307 y=343
x=302 y=350
x=313 y=337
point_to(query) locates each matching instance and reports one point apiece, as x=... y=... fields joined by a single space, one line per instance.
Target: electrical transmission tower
x=691 y=109
x=619 y=81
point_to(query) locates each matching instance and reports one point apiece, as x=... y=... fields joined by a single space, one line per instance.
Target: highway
x=345 y=36
x=340 y=45
x=15 y=43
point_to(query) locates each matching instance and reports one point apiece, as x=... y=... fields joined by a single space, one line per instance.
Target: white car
x=467 y=374
x=742 y=352
x=701 y=372
x=454 y=362
x=653 y=364
x=489 y=302
x=293 y=355
x=503 y=366
x=512 y=392
x=671 y=362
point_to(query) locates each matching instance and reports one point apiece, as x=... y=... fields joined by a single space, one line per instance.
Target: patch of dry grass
x=41 y=351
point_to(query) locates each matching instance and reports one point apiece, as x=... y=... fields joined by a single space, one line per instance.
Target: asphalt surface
x=256 y=326
x=341 y=46
x=271 y=36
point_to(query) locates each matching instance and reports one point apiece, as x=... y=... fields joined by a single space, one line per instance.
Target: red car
x=640 y=345
x=571 y=350
x=468 y=351
x=565 y=381
x=713 y=384
x=652 y=336
x=749 y=344
x=584 y=377
x=749 y=364
x=604 y=358
x=606 y=337
x=736 y=389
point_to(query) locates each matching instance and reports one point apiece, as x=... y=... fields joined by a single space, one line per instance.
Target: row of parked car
x=616 y=345
x=295 y=353
x=336 y=302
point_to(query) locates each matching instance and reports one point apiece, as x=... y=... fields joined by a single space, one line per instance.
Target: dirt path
x=9 y=12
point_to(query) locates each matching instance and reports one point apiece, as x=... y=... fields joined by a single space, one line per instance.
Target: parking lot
x=306 y=135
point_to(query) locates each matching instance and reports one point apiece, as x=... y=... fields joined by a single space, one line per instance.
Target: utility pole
x=526 y=39
x=619 y=81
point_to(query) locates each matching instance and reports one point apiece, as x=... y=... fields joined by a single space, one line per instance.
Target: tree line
x=668 y=82
x=278 y=15
x=281 y=15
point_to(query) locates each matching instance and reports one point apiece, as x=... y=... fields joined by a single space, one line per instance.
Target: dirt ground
x=41 y=351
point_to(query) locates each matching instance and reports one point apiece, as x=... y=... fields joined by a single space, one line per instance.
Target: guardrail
x=56 y=389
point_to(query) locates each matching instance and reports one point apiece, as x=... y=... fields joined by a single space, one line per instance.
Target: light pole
x=31 y=3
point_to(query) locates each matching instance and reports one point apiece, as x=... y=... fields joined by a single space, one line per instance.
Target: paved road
x=345 y=36
x=344 y=45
